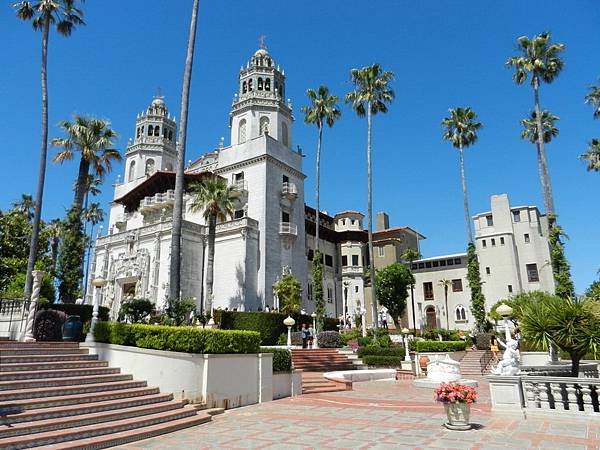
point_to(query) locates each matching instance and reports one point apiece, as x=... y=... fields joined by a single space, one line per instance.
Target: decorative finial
x=222 y=142
x=261 y=41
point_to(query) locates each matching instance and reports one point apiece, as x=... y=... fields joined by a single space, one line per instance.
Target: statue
x=509 y=365
x=443 y=370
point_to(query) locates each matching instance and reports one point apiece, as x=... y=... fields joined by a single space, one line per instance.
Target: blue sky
x=444 y=54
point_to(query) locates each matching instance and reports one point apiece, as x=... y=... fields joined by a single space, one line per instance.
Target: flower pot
x=423 y=361
x=458 y=416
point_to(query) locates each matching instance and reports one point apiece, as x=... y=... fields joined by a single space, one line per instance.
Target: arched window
x=461 y=313
x=264 y=125
x=276 y=87
x=149 y=166
x=138 y=132
x=260 y=84
x=150 y=130
x=142 y=133
x=157 y=130
x=242 y=131
x=250 y=85
x=170 y=135
x=284 y=134
x=267 y=84
x=131 y=175
x=165 y=132
x=244 y=87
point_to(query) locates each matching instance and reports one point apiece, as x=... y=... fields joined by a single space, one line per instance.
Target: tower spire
x=261 y=41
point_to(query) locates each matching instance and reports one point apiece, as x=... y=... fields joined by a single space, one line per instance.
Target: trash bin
x=72 y=329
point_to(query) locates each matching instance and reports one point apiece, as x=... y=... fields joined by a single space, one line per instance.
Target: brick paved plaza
x=376 y=415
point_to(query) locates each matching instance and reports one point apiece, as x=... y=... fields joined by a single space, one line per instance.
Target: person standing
x=304 y=333
x=311 y=336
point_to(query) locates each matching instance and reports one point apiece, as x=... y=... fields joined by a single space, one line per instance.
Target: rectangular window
x=311 y=255
x=532 y=273
x=356 y=289
x=285 y=217
x=421 y=265
x=501 y=241
x=510 y=288
x=526 y=238
x=343 y=221
x=238 y=214
x=344 y=260
x=493 y=242
x=414 y=266
x=436 y=264
x=428 y=290
x=352 y=221
x=285 y=179
x=488 y=271
x=309 y=292
x=490 y=220
x=428 y=265
x=381 y=251
x=443 y=263
x=329 y=260
x=355 y=260
x=329 y=295
x=450 y=262
x=517 y=216
x=457 y=285
x=484 y=244
x=457 y=261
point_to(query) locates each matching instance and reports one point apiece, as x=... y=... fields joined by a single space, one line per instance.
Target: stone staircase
x=476 y=363
x=314 y=362
x=56 y=395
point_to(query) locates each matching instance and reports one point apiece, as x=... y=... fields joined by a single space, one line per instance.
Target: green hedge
x=83 y=311
x=373 y=350
x=177 y=339
x=386 y=361
x=268 y=324
x=441 y=346
x=282 y=359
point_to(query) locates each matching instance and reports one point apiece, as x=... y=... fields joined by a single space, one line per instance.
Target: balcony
x=289 y=190
x=240 y=185
x=352 y=270
x=288 y=229
x=157 y=201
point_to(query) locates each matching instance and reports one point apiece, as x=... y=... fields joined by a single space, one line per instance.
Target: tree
x=444 y=283
x=175 y=264
x=474 y=280
x=69 y=268
x=593 y=291
x=571 y=325
x=94 y=139
x=25 y=206
x=410 y=255
x=43 y=14
x=371 y=95
x=460 y=129
x=288 y=291
x=592 y=156
x=560 y=266
x=541 y=59
x=92 y=214
x=215 y=198
x=593 y=98
x=392 y=289
x=136 y=310
x=317 y=274
x=517 y=304
x=55 y=231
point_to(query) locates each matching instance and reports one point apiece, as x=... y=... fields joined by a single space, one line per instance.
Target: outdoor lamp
x=289 y=322
x=405 y=332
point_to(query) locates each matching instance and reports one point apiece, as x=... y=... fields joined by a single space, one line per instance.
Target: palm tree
x=540 y=58
x=93 y=214
x=446 y=284
x=25 y=206
x=461 y=130
x=371 y=95
x=216 y=199
x=410 y=255
x=175 y=265
x=43 y=14
x=94 y=139
x=592 y=156
x=593 y=98
x=323 y=109
x=530 y=132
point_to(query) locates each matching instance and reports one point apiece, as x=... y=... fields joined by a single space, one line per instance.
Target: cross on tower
x=261 y=41
x=158 y=91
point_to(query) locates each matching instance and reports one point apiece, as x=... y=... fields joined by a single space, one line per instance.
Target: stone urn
x=423 y=361
x=458 y=416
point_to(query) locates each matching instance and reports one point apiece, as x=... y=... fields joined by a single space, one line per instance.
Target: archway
x=430 y=318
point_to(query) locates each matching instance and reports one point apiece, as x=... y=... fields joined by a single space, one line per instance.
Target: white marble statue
x=509 y=365
x=444 y=370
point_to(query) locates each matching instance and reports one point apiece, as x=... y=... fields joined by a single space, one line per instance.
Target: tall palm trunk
x=175 y=272
x=370 y=214
x=463 y=180
x=542 y=161
x=35 y=232
x=318 y=183
x=412 y=301
x=210 y=262
x=80 y=185
x=447 y=312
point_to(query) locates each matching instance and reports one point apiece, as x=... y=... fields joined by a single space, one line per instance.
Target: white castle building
x=272 y=230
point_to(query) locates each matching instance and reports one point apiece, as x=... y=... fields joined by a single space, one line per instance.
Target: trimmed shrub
x=136 y=310
x=330 y=339
x=177 y=339
x=447 y=335
x=83 y=311
x=373 y=350
x=296 y=338
x=48 y=325
x=382 y=341
x=282 y=359
x=443 y=346
x=382 y=361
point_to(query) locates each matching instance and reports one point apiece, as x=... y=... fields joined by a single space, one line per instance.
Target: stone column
x=27 y=336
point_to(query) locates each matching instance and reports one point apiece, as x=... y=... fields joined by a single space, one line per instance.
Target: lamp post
x=314 y=318
x=405 y=332
x=505 y=311
x=345 y=305
x=98 y=283
x=363 y=315
x=289 y=323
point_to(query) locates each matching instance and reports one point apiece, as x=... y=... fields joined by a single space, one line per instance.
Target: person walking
x=311 y=337
x=304 y=333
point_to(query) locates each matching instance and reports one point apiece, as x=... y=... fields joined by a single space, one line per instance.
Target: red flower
x=455 y=393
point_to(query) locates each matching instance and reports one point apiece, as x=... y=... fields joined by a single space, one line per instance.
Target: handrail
x=485 y=360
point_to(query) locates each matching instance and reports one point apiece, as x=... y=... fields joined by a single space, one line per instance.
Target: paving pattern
x=376 y=415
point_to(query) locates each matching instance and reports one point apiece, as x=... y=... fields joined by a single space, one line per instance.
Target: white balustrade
x=288 y=228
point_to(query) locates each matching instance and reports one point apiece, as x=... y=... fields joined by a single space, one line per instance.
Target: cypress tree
x=477 y=297
x=317 y=276
x=69 y=270
x=561 y=268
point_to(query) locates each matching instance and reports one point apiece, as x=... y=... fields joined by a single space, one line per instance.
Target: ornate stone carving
x=509 y=365
x=444 y=370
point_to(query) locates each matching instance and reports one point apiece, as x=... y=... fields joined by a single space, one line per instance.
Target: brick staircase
x=314 y=363
x=56 y=395
x=476 y=363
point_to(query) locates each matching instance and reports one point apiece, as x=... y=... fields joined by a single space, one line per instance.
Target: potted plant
x=457 y=400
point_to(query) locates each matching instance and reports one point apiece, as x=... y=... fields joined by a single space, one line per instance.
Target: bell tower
x=259 y=107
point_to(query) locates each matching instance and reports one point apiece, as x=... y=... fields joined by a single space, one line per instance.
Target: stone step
x=85 y=408
x=13 y=359
x=132 y=435
x=40 y=344
x=59 y=373
x=62 y=381
x=99 y=429
x=89 y=397
x=42 y=351
x=322 y=389
x=16 y=367
x=33 y=393
x=60 y=423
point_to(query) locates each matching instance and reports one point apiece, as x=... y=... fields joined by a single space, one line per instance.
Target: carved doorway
x=430 y=318
x=128 y=290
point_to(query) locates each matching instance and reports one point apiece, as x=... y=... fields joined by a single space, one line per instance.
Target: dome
x=156 y=101
x=261 y=52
